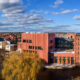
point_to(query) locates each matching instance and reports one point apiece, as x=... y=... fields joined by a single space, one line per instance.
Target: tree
x=15 y=41
x=1 y=60
x=25 y=66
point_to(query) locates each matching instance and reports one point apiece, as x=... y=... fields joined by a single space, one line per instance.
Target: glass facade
x=64 y=43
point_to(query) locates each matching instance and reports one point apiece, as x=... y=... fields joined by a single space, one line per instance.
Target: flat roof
x=64 y=51
x=11 y=44
x=67 y=39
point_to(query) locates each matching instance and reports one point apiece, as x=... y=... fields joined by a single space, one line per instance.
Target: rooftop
x=67 y=39
x=11 y=44
x=67 y=51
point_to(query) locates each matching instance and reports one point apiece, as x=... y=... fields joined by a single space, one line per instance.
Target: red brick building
x=71 y=35
x=8 y=37
x=44 y=45
x=41 y=43
x=77 y=48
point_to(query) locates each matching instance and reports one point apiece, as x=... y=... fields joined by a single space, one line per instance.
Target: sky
x=39 y=15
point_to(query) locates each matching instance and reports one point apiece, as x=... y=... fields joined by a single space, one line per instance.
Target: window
x=64 y=58
x=30 y=51
x=40 y=48
x=51 y=41
x=24 y=50
x=27 y=41
x=78 y=43
x=30 y=41
x=56 y=59
x=35 y=52
x=30 y=47
x=71 y=36
x=72 y=58
x=59 y=58
x=24 y=41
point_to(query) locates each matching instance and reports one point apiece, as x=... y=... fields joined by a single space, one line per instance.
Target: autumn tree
x=24 y=66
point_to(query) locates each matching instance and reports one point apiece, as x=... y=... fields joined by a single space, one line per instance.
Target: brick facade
x=38 y=40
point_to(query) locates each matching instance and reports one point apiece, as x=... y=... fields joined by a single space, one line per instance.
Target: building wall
x=71 y=34
x=38 y=39
x=77 y=49
x=62 y=55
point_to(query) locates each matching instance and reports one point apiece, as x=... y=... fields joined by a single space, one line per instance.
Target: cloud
x=12 y=6
x=56 y=4
x=5 y=24
x=15 y=15
x=28 y=4
x=17 y=20
x=35 y=11
x=77 y=17
x=77 y=24
x=62 y=25
x=65 y=12
x=26 y=20
x=17 y=9
x=46 y=12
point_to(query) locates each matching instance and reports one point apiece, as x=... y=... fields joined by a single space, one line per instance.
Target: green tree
x=24 y=66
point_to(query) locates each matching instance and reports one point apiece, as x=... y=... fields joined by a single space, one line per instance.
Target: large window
x=24 y=41
x=34 y=47
x=72 y=60
x=56 y=59
x=40 y=48
x=30 y=47
x=59 y=59
x=68 y=60
x=30 y=41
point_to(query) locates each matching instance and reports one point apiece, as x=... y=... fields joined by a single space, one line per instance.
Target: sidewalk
x=58 y=66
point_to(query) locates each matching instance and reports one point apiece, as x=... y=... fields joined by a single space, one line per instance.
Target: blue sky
x=39 y=16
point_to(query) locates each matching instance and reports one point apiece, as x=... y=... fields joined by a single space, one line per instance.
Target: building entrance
x=51 y=59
